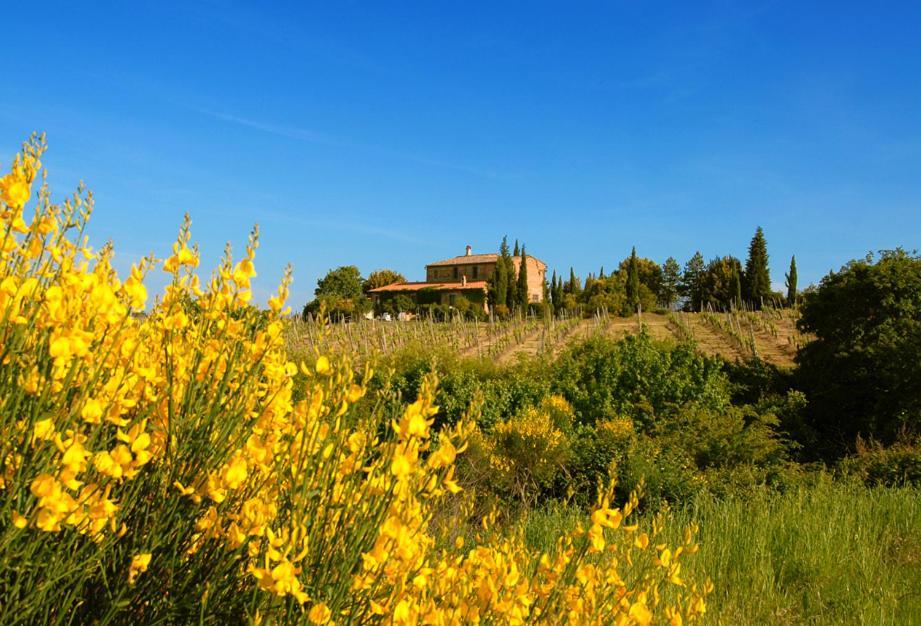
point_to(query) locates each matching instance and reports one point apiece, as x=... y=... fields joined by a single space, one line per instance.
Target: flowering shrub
x=160 y=467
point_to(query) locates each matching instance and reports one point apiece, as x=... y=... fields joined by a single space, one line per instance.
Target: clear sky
x=391 y=134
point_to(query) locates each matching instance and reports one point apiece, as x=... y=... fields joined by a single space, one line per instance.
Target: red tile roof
x=471 y=284
x=475 y=258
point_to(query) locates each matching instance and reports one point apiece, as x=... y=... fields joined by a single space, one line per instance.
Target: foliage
x=499 y=281
x=876 y=465
x=176 y=467
x=339 y=294
x=522 y=285
x=862 y=373
x=523 y=457
x=757 y=283
x=691 y=288
x=633 y=285
x=671 y=283
x=791 y=282
x=719 y=284
x=638 y=378
x=380 y=278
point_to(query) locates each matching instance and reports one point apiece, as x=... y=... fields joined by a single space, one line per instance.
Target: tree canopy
x=340 y=293
x=862 y=372
x=381 y=278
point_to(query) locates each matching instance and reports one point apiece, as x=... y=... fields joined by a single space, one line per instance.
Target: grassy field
x=832 y=553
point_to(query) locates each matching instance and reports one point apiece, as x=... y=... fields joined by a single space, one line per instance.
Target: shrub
x=637 y=377
x=158 y=469
x=895 y=465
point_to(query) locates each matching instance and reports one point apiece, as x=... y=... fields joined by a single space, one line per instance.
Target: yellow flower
x=322 y=366
x=19 y=521
x=139 y=563
x=401 y=465
x=640 y=613
x=92 y=411
x=43 y=429
x=14 y=188
x=319 y=613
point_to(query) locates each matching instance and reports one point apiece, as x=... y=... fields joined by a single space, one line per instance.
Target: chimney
x=469 y=250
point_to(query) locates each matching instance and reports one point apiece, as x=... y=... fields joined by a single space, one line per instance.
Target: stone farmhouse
x=467 y=275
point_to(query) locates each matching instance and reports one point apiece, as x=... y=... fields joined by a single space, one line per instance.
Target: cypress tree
x=601 y=273
x=791 y=283
x=558 y=295
x=516 y=251
x=574 y=287
x=553 y=300
x=500 y=276
x=633 y=282
x=757 y=275
x=523 y=282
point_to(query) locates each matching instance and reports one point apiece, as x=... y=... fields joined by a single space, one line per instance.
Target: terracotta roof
x=471 y=284
x=465 y=259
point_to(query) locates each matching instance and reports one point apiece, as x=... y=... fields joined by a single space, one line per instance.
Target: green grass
x=833 y=553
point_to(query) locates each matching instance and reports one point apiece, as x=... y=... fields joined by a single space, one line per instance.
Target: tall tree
x=516 y=252
x=757 y=279
x=523 y=282
x=691 y=281
x=633 y=282
x=791 y=283
x=573 y=286
x=499 y=281
x=601 y=273
x=671 y=281
x=553 y=301
x=558 y=295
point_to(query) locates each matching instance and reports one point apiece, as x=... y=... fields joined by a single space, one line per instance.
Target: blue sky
x=393 y=134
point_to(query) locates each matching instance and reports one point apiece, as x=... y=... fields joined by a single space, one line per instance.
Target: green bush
x=637 y=377
x=898 y=464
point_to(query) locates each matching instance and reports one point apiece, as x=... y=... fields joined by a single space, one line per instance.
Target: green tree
x=340 y=294
x=671 y=281
x=791 y=283
x=862 y=372
x=716 y=283
x=691 y=282
x=557 y=295
x=516 y=252
x=735 y=287
x=381 y=278
x=757 y=277
x=573 y=286
x=499 y=281
x=633 y=282
x=522 y=290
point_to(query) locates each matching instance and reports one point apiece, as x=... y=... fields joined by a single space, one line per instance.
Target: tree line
x=638 y=284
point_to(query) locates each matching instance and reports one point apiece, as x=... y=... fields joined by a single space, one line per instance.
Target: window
x=476 y=271
x=455 y=272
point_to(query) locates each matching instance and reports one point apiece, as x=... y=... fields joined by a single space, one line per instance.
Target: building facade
x=466 y=275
